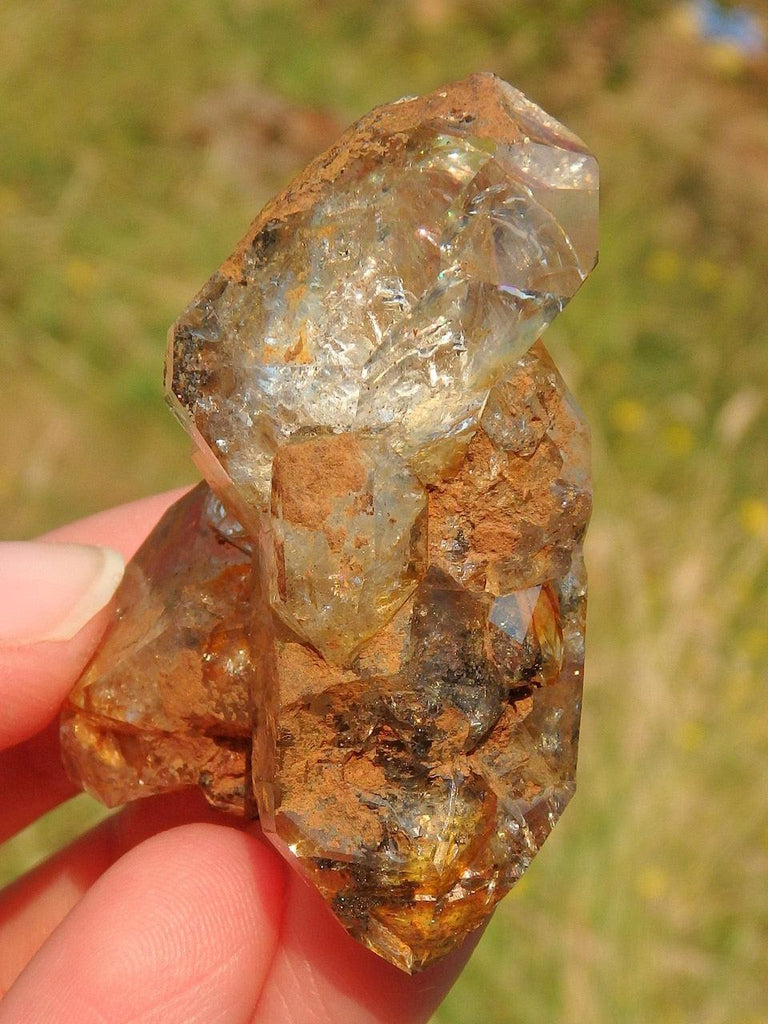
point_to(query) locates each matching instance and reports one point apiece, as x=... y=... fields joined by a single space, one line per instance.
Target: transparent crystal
x=397 y=278
x=370 y=630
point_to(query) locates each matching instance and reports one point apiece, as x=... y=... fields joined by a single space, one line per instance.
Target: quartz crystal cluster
x=367 y=626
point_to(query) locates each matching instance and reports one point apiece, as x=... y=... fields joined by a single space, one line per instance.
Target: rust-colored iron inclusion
x=367 y=627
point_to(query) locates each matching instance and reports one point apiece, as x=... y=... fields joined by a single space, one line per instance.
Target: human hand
x=168 y=911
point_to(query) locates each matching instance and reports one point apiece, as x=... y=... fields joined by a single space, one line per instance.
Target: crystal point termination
x=369 y=628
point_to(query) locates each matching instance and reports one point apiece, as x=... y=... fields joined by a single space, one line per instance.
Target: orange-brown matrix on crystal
x=369 y=628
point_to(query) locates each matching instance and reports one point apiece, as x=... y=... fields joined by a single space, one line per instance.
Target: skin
x=168 y=911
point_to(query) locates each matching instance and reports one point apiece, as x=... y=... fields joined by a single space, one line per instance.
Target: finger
x=183 y=928
x=36 y=677
x=124 y=527
x=33 y=781
x=319 y=973
x=322 y=976
x=50 y=600
x=35 y=905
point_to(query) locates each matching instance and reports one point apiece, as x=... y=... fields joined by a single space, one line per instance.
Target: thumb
x=52 y=595
x=49 y=595
x=49 y=591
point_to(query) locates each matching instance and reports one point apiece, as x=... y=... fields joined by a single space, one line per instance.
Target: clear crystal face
x=371 y=629
x=165 y=701
x=408 y=270
x=349 y=524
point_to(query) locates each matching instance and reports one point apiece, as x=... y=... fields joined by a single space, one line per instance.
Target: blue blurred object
x=736 y=26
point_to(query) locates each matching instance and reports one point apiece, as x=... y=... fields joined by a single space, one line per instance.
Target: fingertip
x=124 y=527
x=35 y=680
x=49 y=591
x=183 y=927
x=53 y=599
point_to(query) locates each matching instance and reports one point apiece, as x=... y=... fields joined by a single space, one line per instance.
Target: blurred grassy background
x=137 y=141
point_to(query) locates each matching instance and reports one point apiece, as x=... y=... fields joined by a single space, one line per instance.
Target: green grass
x=650 y=902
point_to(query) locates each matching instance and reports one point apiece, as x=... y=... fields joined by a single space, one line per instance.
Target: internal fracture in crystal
x=368 y=626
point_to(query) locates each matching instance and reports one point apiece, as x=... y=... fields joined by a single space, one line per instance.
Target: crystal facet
x=370 y=630
x=165 y=701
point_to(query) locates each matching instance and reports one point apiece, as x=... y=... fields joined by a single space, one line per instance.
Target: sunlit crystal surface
x=350 y=540
x=390 y=286
x=371 y=629
x=164 y=701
